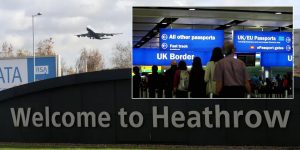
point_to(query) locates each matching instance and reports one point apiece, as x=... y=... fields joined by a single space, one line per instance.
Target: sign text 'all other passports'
x=187 y=39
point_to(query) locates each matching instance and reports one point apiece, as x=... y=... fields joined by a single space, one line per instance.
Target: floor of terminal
x=144 y=93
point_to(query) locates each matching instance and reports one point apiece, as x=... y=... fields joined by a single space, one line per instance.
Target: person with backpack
x=210 y=70
x=196 y=81
x=181 y=81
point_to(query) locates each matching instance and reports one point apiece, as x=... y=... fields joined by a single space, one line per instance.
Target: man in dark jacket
x=169 y=77
x=136 y=82
x=155 y=83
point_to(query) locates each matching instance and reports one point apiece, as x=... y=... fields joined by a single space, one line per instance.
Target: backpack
x=184 y=80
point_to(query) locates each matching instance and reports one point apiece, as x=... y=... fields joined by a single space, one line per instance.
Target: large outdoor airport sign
x=135 y=119
x=96 y=107
x=190 y=40
x=276 y=59
x=14 y=72
x=152 y=56
x=260 y=41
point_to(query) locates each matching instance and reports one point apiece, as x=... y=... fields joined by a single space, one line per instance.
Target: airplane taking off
x=92 y=34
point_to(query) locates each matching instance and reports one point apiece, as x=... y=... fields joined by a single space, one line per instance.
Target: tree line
x=89 y=60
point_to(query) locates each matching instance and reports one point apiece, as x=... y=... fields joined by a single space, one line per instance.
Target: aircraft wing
x=82 y=35
x=107 y=34
x=102 y=38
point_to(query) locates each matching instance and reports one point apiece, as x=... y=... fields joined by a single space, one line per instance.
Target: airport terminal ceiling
x=147 y=20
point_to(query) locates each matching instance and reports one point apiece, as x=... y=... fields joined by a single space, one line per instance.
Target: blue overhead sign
x=150 y=56
x=276 y=59
x=190 y=40
x=259 y=41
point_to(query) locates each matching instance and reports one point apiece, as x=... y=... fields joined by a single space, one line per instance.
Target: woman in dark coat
x=196 y=82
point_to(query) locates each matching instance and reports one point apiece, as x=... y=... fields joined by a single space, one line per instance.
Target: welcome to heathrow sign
x=97 y=108
x=24 y=117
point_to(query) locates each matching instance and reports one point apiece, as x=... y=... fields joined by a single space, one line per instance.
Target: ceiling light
x=278 y=13
x=164 y=23
x=228 y=25
x=192 y=9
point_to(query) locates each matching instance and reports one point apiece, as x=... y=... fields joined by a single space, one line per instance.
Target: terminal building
x=163 y=34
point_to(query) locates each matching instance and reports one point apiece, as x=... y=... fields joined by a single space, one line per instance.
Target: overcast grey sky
x=62 y=19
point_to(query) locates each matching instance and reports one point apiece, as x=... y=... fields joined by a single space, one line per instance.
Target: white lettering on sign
x=161 y=116
x=241 y=37
x=290 y=57
x=23 y=117
x=183 y=37
x=276 y=48
x=188 y=37
x=13 y=73
x=178 y=46
x=174 y=56
x=256 y=38
x=272 y=38
x=252 y=118
x=185 y=56
x=162 y=56
x=41 y=70
x=204 y=38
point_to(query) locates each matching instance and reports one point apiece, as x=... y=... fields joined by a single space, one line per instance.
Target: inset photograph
x=212 y=52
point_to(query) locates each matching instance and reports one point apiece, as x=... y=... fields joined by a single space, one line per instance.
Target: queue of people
x=279 y=86
x=223 y=77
